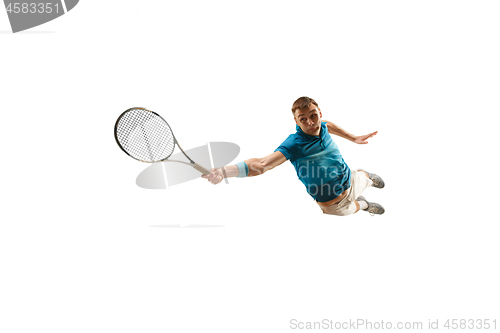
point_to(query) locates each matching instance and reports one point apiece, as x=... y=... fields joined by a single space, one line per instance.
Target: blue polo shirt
x=318 y=163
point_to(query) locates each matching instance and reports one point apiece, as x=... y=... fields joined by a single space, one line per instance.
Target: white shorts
x=347 y=206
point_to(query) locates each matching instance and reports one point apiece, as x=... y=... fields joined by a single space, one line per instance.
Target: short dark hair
x=303 y=102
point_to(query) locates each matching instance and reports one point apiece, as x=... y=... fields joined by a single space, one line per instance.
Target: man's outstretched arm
x=256 y=166
x=337 y=130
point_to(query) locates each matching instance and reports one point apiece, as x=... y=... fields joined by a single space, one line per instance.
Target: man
x=318 y=163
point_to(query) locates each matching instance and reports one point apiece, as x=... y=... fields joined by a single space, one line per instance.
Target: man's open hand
x=362 y=138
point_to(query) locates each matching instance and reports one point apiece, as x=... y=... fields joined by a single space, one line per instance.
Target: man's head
x=307 y=115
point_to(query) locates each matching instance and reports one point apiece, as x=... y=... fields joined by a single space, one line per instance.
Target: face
x=309 y=119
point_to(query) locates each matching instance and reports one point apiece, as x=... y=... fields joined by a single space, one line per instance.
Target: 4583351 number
x=475 y=324
x=32 y=8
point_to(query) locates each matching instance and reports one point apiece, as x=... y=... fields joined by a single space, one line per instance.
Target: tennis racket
x=145 y=136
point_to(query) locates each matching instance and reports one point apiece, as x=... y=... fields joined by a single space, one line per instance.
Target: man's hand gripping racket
x=215 y=176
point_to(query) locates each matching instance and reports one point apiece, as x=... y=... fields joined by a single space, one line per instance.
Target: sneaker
x=376 y=179
x=373 y=208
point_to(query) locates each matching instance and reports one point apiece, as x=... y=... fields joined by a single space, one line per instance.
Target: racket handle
x=200 y=168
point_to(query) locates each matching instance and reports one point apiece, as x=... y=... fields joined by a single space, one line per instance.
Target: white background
x=83 y=249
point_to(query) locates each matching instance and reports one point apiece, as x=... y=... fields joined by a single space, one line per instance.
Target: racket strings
x=145 y=136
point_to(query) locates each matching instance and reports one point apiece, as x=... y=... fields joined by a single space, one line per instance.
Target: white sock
x=362 y=204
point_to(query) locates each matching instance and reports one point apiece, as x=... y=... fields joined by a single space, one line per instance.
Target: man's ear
x=320 y=115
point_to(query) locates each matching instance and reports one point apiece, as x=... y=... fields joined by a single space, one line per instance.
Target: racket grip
x=200 y=169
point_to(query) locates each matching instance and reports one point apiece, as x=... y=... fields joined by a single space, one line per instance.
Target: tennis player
x=317 y=160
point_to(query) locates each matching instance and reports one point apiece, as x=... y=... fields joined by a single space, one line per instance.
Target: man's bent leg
x=377 y=181
x=365 y=173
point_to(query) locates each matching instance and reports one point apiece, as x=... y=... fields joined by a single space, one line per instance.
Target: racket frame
x=191 y=162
